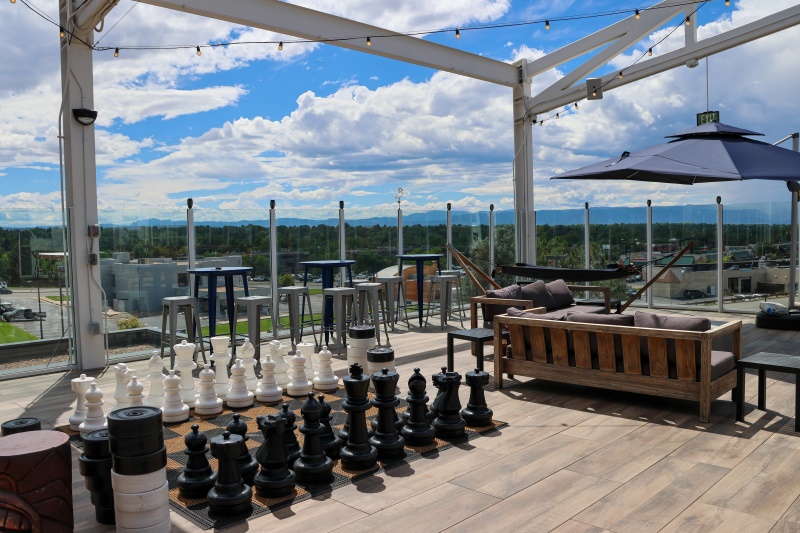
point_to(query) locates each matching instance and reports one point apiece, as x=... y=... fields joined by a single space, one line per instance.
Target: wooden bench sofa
x=665 y=359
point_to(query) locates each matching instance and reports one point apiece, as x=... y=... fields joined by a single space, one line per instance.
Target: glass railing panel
x=470 y=233
x=372 y=243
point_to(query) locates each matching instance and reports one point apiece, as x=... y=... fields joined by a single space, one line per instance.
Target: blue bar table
x=212 y=274
x=419 y=259
x=328 y=267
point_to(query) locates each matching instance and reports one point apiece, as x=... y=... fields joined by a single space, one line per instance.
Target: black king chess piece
x=230 y=495
x=477 y=413
x=448 y=422
x=330 y=442
x=358 y=453
x=313 y=466
x=418 y=430
x=436 y=381
x=274 y=479
x=248 y=466
x=197 y=477
x=386 y=439
x=289 y=436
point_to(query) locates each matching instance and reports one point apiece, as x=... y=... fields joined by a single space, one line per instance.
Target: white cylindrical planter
x=362 y=339
x=142 y=510
x=138 y=484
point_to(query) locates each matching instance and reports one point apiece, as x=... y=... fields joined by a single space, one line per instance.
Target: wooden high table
x=419 y=259
x=762 y=362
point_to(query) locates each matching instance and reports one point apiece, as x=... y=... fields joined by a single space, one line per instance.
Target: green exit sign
x=708 y=116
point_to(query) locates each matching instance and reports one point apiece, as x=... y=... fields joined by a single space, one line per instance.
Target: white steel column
x=190 y=240
x=342 y=244
x=586 y=236
x=793 y=253
x=720 y=269
x=524 y=222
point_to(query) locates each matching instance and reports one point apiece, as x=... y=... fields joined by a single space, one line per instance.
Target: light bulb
x=280 y=45
x=594 y=93
x=547 y=24
x=576 y=105
x=61 y=31
x=620 y=74
x=458 y=34
x=650 y=51
x=369 y=41
x=637 y=15
x=727 y=3
x=541 y=122
x=557 y=116
x=116 y=52
x=688 y=21
x=199 y=53
x=13 y=1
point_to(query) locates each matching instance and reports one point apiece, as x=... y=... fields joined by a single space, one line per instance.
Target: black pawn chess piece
x=358 y=453
x=230 y=495
x=289 y=436
x=418 y=430
x=274 y=479
x=248 y=466
x=386 y=439
x=436 y=381
x=313 y=466
x=448 y=422
x=197 y=477
x=477 y=413
x=330 y=442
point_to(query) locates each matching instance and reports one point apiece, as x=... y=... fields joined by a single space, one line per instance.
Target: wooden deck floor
x=573 y=459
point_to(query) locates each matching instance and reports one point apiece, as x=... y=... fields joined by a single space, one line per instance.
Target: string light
x=61 y=32
x=558 y=116
x=620 y=74
x=546 y=24
x=637 y=15
x=650 y=51
x=688 y=21
x=199 y=53
x=594 y=93
x=116 y=52
x=458 y=34
x=369 y=41
x=541 y=122
x=727 y=3
x=13 y=1
x=576 y=105
x=280 y=45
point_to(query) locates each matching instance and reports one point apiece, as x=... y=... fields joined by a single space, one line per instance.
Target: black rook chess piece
x=248 y=466
x=330 y=442
x=274 y=479
x=386 y=439
x=313 y=466
x=289 y=436
x=477 y=413
x=436 y=381
x=418 y=430
x=230 y=495
x=358 y=453
x=197 y=477
x=448 y=422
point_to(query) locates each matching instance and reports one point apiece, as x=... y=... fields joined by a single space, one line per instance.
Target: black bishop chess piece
x=477 y=413
x=274 y=479
x=248 y=466
x=358 y=453
x=313 y=466
x=386 y=439
x=448 y=422
x=331 y=444
x=436 y=381
x=289 y=436
x=197 y=477
x=230 y=495
x=418 y=430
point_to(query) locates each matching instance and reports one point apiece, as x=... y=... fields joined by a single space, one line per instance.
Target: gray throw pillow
x=513 y=292
x=561 y=295
x=685 y=323
x=537 y=292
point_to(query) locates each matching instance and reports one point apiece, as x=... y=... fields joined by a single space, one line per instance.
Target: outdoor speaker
x=594 y=89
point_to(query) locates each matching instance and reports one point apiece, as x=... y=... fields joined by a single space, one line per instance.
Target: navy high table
x=212 y=274
x=419 y=259
x=328 y=267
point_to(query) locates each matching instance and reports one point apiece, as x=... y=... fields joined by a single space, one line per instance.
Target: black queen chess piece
x=386 y=439
x=248 y=466
x=274 y=479
x=358 y=453
x=448 y=422
x=418 y=430
x=313 y=466
x=230 y=495
x=477 y=413
x=289 y=436
x=331 y=444
x=197 y=477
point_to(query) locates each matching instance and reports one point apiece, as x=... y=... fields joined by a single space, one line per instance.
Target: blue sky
x=315 y=124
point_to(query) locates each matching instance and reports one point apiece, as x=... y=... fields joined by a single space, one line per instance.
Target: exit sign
x=708 y=116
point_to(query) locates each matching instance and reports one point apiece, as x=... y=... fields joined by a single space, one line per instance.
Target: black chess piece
x=274 y=479
x=436 y=380
x=386 y=439
x=345 y=429
x=477 y=413
x=289 y=436
x=418 y=430
x=448 y=422
x=197 y=477
x=313 y=466
x=230 y=495
x=358 y=453
x=248 y=466
x=331 y=444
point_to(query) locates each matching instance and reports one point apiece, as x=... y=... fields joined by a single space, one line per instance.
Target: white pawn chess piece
x=247 y=352
x=135 y=389
x=325 y=379
x=238 y=395
x=308 y=347
x=221 y=358
x=208 y=403
x=174 y=409
x=268 y=390
x=299 y=385
x=95 y=418
x=279 y=353
x=184 y=363
x=155 y=396
x=123 y=374
x=79 y=387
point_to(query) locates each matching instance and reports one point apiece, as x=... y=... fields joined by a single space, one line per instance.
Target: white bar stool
x=395 y=293
x=337 y=323
x=443 y=283
x=169 y=311
x=370 y=299
x=295 y=298
x=254 y=306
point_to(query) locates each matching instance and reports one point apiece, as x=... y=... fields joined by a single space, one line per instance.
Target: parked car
x=23 y=313
x=691 y=294
x=5 y=290
x=6 y=307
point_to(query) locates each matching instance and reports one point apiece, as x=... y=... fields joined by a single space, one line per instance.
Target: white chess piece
x=155 y=396
x=174 y=409
x=299 y=385
x=325 y=379
x=135 y=396
x=207 y=403
x=221 y=358
x=247 y=352
x=79 y=387
x=268 y=390
x=184 y=363
x=279 y=354
x=95 y=418
x=238 y=395
x=308 y=347
x=123 y=374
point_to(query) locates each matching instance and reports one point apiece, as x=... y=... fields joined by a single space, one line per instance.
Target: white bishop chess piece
x=325 y=379
x=155 y=396
x=207 y=403
x=135 y=389
x=123 y=374
x=174 y=409
x=79 y=387
x=95 y=418
x=279 y=353
x=184 y=363
x=238 y=395
x=268 y=390
x=247 y=352
x=221 y=358
x=299 y=385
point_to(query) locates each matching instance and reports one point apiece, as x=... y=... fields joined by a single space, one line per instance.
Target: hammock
x=567 y=274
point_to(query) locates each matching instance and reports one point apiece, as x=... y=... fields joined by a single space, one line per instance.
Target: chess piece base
x=314 y=473
x=418 y=437
x=388 y=450
x=224 y=501
x=181 y=416
x=270 y=487
x=477 y=417
x=270 y=398
x=215 y=410
x=357 y=460
x=196 y=488
x=449 y=430
x=238 y=404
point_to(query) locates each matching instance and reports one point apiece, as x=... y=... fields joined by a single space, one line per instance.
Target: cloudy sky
x=314 y=124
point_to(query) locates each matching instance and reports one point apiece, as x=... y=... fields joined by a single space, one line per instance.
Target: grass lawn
x=9 y=333
x=64 y=298
x=241 y=326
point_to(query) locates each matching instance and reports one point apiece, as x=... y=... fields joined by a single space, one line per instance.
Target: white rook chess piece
x=299 y=384
x=79 y=387
x=268 y=390
x=221 y=358
x=155 y=396
x=174 y=409
x=184 y=363
x=123 y=374
x=207 y=403
x=247 y=351
x=135 y=395
x=279 y=352
x=238 y=395
x=325 y=379
x=95 y=418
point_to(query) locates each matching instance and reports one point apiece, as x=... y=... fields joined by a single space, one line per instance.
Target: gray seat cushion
x=599 y=318
x=560 y=292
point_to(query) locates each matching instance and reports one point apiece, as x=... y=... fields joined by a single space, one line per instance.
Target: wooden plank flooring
x=573 y=459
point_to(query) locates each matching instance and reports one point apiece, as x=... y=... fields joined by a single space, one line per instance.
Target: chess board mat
x=197 y=510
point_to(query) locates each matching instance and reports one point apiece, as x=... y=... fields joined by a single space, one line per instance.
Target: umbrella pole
x=658 y=275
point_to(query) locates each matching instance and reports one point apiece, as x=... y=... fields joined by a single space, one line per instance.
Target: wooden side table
x=478 y=337
x=762 y=362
